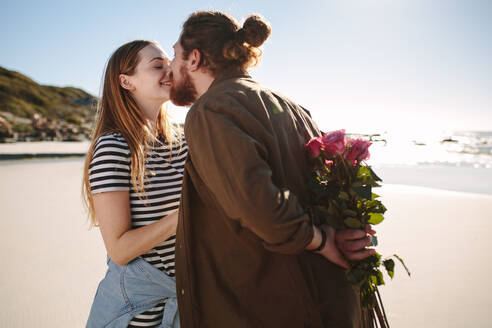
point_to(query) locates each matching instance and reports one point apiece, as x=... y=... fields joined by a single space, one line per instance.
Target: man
x=248 y=253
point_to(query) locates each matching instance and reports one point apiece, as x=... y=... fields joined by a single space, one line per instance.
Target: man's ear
x=194 y=60
x=126 y=83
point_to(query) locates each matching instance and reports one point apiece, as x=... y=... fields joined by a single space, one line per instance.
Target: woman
x=132 y=185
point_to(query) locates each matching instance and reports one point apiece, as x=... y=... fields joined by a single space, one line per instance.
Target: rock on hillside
x=30 y=111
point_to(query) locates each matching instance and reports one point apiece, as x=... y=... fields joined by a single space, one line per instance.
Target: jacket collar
x=227 y=76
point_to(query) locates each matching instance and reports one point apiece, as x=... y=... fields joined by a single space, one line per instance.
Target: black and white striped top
x=109 y=170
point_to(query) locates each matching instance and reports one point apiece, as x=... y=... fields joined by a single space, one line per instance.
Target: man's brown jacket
x=240 y=258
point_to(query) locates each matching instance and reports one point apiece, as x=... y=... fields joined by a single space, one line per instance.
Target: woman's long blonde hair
x=117 y=112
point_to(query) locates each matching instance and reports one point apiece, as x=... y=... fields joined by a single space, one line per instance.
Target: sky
x=417 y=66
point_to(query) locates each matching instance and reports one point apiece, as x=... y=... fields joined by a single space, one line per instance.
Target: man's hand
x=353 y=242
x=331 y=251
x=343 y=245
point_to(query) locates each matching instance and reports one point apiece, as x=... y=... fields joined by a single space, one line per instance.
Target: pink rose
x=314 y=147
x=329 y=163
x=334 y=142
x=358 y=150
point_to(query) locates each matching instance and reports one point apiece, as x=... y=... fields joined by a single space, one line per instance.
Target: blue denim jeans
x=131 y=289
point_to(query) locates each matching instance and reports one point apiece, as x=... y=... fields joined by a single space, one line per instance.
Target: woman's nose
x=167 y=70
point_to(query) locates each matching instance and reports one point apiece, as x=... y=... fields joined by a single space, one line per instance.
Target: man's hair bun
x=255 y=30
x=224 y=45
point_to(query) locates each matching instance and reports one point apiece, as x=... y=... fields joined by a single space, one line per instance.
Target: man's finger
x=360 y=255
x=355 y=245
x=350 y=234
x=369 y=229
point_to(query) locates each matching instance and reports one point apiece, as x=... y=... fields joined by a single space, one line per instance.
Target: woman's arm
x=123 y=244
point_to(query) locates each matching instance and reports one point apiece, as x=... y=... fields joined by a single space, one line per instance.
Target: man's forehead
x=177 y=44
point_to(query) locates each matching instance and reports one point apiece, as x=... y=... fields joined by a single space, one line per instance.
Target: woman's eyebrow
x=156 y=58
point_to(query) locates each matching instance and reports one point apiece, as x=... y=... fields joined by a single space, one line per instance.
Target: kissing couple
x=210 y=228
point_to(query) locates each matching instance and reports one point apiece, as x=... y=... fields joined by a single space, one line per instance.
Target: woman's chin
x=164 y=96
x=166 y=93
x=164 y=100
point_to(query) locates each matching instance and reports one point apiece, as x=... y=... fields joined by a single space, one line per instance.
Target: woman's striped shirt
x=110 y=170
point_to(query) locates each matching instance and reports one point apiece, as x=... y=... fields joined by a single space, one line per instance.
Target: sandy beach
x=53 y=262
x=444 y=237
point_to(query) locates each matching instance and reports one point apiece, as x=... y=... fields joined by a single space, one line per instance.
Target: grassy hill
x=22 y=97
x=30 y=111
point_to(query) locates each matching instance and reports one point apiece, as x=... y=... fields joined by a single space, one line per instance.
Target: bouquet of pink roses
x=341 y=187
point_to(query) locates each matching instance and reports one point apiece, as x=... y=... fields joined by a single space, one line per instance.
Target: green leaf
x=376 y=218
x=380 y=278
x=363 y=191
x=348 y=212
x=357 y=274
x=402 y=263
x=352 y=223
x=372 y=261
x=374 y=241
x=377 y=256
x=363 y=172
x=374 y=196
x=375 y=206
x=343 y=195
x=389 y=265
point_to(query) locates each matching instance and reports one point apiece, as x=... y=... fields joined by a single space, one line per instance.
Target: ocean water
x=456 y=149
x=458 y=161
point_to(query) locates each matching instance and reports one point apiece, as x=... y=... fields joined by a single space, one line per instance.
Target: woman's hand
x=123 y=244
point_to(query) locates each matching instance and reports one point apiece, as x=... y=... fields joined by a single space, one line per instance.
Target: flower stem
x=382 y=322
x=382 y=307
x=347 y=171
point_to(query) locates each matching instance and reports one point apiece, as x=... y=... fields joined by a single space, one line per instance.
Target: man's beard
x=184 y=93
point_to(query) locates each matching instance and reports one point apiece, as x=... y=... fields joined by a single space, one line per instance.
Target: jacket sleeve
x=232 y=163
